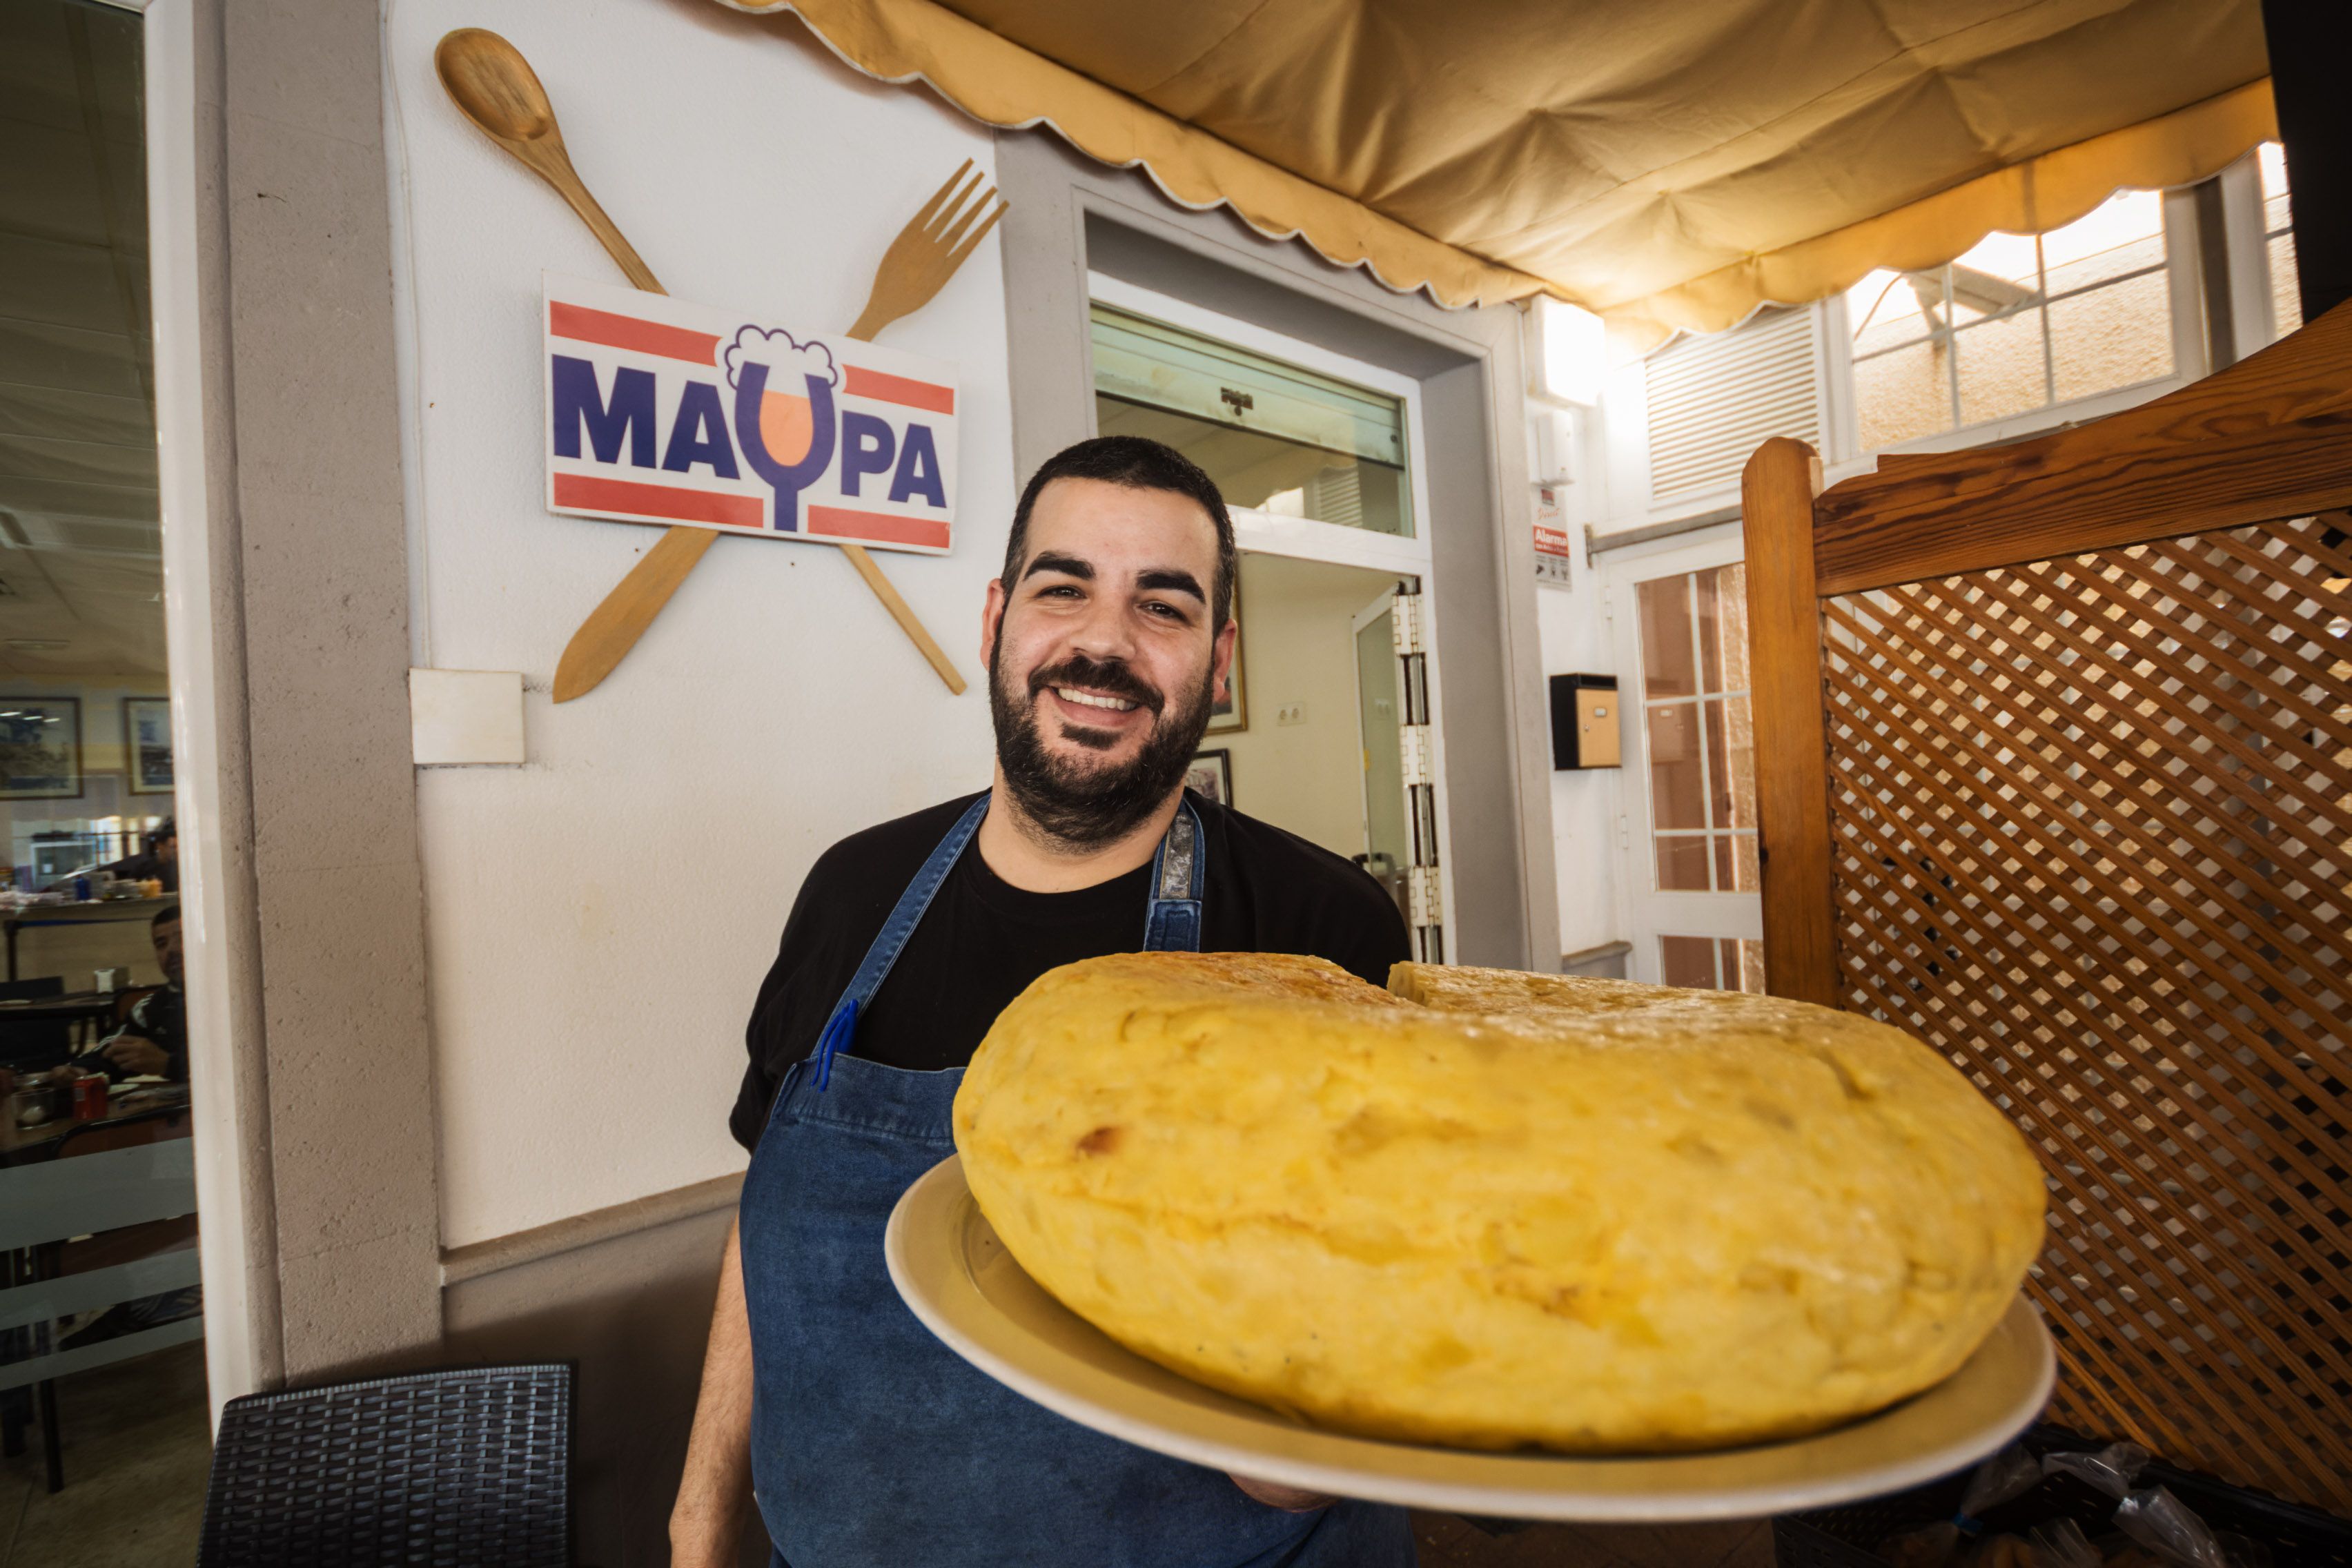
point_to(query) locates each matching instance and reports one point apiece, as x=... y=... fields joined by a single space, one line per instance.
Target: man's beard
x=1087 y=807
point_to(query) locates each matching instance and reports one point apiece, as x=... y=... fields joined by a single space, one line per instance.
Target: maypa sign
x=659 y=411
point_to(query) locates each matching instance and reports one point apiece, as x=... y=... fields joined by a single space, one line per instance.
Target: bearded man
x=867 y=1443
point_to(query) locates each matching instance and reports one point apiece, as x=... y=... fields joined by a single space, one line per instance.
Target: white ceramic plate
x=958 y=1279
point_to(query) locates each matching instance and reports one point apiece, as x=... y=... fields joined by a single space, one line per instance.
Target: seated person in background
x=154 y=1038
x=160 y=860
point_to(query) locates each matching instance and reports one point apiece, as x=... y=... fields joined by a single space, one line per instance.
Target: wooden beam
x=1784 y=626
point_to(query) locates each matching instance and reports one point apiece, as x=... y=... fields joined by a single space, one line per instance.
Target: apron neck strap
x=1172 y=924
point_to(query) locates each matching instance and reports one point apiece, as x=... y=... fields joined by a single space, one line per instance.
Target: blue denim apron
x=873 y=1444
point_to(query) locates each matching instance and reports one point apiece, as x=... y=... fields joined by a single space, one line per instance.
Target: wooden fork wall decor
x=493 y=86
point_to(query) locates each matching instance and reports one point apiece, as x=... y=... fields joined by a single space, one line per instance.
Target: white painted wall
x=599 y=918
x=1576 y=639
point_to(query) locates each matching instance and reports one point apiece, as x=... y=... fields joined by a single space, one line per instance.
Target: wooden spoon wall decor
x=493 y=86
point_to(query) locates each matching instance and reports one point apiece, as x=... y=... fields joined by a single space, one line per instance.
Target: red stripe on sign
x=591 y=494
x=842 y=524
x=584 y=325
x=899 y=389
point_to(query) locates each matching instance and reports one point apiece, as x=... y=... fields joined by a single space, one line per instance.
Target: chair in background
x=2053 y=747
x=120 y=1200
x=34 y=1045
x=463 y=1467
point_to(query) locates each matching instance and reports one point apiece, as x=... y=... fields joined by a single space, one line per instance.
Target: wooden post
x=1784 y=627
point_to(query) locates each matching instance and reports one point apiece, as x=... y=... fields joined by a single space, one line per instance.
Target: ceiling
x=80 y=565
x=1611 y=152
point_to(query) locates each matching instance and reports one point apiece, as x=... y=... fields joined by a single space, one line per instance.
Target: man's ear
x=991 y=618
x=1220 y=657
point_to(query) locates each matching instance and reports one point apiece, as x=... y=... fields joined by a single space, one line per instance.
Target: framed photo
x=40 y=748
x=147 y=744
x=1232 y=714
x=1210 y=776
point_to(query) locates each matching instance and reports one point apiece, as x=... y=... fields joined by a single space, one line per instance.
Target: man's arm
x=707 y=1524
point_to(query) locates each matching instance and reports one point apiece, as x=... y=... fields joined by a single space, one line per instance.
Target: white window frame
x=1625 y=405
x=1304 y=539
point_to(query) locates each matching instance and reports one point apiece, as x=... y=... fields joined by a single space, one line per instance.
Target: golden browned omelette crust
x=1486 y=1209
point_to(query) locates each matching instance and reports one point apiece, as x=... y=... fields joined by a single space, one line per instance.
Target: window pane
x=1677 y=793
x=2117 y=336
x=2286 y=286
x=1743 y=965
x=1268 y=473
x=1681 y=862
x=1667 y=638
x=1718 y=765
x=2124 y=234
x=1688 y=961
x=1275 y=436
x=1731 y=614
x=1739 y=724
x=2272 y=159
x=1902 y=394
x=1885 y=312
x=1736 y=869
x=2001 y=369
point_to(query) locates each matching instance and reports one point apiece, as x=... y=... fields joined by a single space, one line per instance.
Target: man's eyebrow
x=1170 y=579
x=1068 y=566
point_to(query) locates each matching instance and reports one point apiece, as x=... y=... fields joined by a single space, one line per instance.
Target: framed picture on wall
x=40 y=748
x=1210 y=776
x=147 y=744
x=1232 y=713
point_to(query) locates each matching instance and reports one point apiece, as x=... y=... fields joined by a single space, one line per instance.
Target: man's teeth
x=1115 y=704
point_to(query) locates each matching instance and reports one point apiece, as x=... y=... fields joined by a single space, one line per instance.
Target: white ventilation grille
x=1714 y=400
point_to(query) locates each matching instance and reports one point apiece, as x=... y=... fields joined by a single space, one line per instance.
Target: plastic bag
x=2061 y=1544
x=1934 y=1547
x=2011 y=1473
x=2168 y=1528
x=2111 y=1471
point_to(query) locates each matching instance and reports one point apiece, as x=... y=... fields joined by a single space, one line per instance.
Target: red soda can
x=89 y=1097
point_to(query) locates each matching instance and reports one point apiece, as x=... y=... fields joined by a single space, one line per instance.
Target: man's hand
x=135 y=1055
x=1290 y=1500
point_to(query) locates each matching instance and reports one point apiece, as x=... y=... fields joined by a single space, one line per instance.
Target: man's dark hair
x=1139 y=464
x=164 y=917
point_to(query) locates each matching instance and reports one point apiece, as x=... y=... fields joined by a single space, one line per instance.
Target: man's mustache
x=1112 y=679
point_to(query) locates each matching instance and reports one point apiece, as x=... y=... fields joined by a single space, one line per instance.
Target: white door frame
x=1304 y=539
x=1383 y=605
x=235 y=1361
x=1643 y=913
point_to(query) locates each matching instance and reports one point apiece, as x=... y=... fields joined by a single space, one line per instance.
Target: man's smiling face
x=1102 y=660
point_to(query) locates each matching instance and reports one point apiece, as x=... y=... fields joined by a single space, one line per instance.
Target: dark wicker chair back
x=461 y=1467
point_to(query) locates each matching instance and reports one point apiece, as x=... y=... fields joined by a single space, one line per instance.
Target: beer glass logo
x=784 y=412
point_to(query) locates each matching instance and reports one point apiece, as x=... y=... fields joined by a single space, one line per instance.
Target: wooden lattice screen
x=2077 y=809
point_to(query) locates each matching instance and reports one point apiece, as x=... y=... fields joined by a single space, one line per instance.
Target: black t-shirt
x=983 y=940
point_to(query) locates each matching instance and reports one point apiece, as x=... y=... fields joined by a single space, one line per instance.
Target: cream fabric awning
x=1670 y=164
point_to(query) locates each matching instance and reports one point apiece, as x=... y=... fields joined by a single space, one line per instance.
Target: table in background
x=96 y=912
x=24 y=1145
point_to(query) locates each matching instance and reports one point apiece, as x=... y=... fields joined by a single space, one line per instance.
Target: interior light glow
x=1569 y=353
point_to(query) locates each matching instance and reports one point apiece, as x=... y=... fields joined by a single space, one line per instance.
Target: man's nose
x=1104 y=633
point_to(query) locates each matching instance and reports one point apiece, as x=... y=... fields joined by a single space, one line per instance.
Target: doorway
x=1689 y=869
x=103 y=1432
x=1317 y=456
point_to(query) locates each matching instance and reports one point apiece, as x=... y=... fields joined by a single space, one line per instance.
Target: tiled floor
x=1450 y=1542
x=136 y=1452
